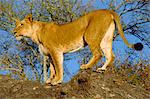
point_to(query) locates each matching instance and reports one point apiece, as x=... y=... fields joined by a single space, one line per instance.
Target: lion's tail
x=137 y=46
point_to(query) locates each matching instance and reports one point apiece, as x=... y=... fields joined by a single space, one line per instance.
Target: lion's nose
x=15 y=32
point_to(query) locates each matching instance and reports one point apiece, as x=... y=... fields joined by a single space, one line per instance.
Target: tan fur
x=95 y=28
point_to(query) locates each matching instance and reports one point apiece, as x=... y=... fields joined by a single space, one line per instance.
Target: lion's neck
x=37 y=27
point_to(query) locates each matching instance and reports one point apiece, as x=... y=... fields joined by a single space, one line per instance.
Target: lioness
x=95 y=29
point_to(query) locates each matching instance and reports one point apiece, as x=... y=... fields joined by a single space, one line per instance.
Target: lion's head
x=23 y=28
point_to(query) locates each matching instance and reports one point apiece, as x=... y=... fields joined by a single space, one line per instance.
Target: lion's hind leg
x=97 y=54
x=109 y=59
x=106 y=46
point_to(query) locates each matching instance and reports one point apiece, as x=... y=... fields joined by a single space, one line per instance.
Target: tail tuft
x=138 y=46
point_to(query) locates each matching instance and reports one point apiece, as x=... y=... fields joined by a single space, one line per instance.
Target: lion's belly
x=73 y=46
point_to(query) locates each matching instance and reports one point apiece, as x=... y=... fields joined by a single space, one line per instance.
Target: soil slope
x=85 y=85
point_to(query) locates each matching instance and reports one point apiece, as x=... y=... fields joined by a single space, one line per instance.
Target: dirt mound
x=86 y=84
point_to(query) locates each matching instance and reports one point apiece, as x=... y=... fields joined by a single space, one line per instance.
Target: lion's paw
x=82 y=67
x=101 y=70
x=48 y=81
x=56 y=81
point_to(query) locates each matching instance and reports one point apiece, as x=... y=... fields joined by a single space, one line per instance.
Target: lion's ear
x=16 y=20
x=29 y=17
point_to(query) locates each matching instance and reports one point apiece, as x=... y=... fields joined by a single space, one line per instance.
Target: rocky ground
x=85 y=85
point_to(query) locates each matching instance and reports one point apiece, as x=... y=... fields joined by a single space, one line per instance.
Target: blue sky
x=72 y=64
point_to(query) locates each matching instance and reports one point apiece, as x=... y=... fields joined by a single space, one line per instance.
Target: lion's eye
x=21 y=24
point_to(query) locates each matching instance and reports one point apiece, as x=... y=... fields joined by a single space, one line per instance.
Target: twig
x=12 y=69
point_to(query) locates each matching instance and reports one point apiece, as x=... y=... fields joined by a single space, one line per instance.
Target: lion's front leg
x=52 y=73
x=45 y=68
x=57 y=58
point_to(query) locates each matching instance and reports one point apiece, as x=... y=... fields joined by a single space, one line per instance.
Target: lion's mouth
x=19 y=37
